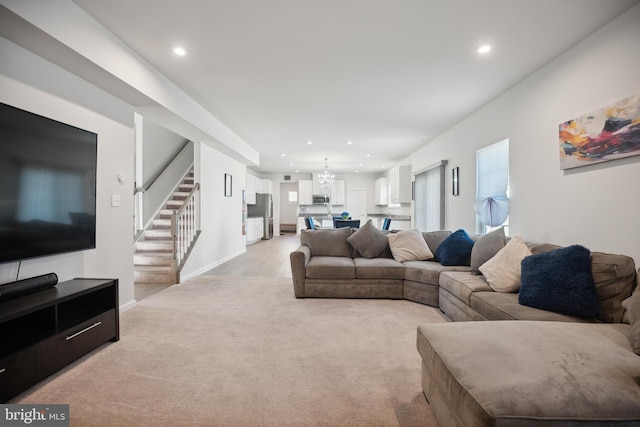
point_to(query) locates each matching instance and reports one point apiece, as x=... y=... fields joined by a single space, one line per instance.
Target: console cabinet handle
x=88 y=328
x=2 y=370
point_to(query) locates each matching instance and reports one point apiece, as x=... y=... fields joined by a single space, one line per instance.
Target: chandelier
x=325 y=179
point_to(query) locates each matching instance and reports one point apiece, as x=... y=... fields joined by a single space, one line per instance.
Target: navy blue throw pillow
x=560 y=281
x=455 y=249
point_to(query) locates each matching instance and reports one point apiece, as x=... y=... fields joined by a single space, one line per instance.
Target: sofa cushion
x=560 y=281
x=433 y=239
x=368 y=240
x=331 y=267
x=505 y=306
x=463 y=284
x=614 y=276
x=524 y=373
x=428 y=271
x=327 y=242
x=632 y=305
x=409 y=245
x=378 y=268
x=455 y=249
x=486 y=247
x=503 y=270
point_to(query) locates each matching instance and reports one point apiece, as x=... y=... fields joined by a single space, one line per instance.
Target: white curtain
x=429 y=199
x=492 y=169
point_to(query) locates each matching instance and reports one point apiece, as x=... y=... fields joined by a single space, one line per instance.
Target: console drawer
x=65 y=347
x=17 y=373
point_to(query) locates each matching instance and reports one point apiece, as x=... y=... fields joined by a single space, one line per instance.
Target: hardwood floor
x=267 y=258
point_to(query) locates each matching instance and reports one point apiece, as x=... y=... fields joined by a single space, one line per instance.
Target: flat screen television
x=47 y=186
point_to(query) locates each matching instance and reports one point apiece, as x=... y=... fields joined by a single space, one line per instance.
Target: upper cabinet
x=305 y=192
x=266 y=186
x=337 y=192
x=400 y=184
x=381 y=192
x=254 y=186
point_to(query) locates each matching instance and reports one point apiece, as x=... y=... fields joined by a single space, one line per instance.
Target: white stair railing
x=185 y=225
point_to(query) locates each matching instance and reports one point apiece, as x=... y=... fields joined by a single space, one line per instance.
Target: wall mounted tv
x=47 y=186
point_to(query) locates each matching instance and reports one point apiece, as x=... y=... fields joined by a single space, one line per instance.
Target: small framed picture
x=228 y=179
x=455 y=177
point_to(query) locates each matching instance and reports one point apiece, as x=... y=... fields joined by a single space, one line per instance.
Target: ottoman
x=530 y=373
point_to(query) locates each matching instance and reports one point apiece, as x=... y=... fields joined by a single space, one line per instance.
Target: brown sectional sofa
x=534 y=367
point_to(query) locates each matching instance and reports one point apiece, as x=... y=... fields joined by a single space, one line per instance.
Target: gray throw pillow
x=434 y=238
x=368 y=240
x=485 y=248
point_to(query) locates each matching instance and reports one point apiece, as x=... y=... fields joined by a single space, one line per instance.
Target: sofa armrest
x=299 y=260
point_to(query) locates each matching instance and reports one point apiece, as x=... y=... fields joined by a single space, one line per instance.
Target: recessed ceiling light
x=282 y=155
x=361 y=164
x=180 y=51
x=349 y=142
x=485 y=48
x=297 y=171
x=368 y=155
x=309 y=142
x=356 y=171
x=290 y=164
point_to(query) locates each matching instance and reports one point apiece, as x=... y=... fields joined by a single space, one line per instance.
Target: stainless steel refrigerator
x=263 y=209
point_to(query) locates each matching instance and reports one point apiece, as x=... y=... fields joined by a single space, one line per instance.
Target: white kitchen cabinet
x=255 y=229
x=305 y=192
x=266 y=186
x=254 y=186
x=400 y=184
x=381 y=191
x=337 y=192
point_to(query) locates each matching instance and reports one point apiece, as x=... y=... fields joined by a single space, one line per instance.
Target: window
x=429 y=198
x=492 y=186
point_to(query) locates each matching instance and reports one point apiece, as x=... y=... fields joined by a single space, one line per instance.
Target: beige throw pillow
x=503 y=270
x=409 y=245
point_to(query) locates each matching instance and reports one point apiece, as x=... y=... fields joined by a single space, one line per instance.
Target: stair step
x=153 y=260
x=158 y=246
x=188 y=180
x=186 y=187
x=180 y=195
x=161 y=224
x=175 y=204
x=166 y=213
x=153 y=275
x=157 y=235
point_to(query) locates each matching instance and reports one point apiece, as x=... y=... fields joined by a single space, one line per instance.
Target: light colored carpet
x=234 y=351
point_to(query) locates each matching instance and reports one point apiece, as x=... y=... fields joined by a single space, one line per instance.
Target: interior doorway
x=357 y=204
x=288 y=207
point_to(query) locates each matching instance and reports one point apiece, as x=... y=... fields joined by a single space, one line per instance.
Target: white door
x=357 y=204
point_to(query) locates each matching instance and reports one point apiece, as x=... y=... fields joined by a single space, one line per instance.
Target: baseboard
x=127 y=306
x=210 y=266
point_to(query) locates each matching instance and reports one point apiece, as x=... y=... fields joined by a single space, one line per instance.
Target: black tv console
x=42 y=332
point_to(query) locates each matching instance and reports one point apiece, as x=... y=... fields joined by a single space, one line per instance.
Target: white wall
x=221 y=217
x=35 y=85
x=596 y=206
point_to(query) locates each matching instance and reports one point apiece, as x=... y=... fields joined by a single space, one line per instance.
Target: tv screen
x=47 y=186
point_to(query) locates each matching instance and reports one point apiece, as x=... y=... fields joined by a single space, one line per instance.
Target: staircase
x=154 y=260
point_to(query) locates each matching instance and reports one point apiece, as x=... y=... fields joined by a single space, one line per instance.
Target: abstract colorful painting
x=610 y=133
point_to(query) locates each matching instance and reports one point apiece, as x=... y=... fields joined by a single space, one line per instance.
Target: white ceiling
x=388 y=75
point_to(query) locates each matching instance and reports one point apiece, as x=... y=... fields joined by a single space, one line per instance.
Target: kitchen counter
x=395 y=217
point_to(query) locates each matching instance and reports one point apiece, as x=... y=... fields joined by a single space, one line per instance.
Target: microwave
x=320 y=200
